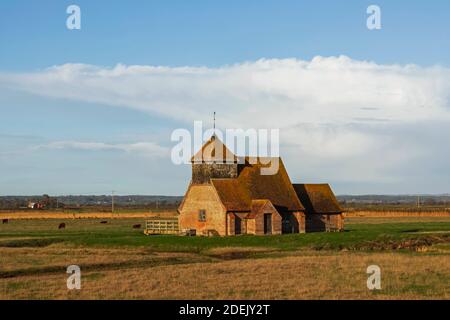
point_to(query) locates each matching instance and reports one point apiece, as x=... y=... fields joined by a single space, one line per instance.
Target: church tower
x=214 y=161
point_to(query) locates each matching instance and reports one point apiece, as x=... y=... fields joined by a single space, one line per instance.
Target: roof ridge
x=239 y=193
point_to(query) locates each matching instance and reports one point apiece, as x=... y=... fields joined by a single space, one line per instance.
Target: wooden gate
x=161 y=226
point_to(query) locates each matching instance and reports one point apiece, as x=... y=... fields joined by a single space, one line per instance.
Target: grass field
x=119 y=262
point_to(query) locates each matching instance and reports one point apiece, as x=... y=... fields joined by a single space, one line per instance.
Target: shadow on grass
x=97 y=267
x=30 y=243
x=410 y=231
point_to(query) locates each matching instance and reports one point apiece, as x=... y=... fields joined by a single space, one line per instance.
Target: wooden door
x=267 y=223
x=237 y=225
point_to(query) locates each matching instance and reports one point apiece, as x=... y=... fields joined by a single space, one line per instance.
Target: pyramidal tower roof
x=214 y=151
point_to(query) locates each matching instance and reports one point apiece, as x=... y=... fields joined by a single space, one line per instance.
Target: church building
x=228 y=195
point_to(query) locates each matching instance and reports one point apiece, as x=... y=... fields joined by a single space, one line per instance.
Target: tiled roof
x=237 y=194
x=214 y=151
x=318 y=198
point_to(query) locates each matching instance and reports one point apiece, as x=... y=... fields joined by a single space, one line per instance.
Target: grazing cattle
x=62 y=226
x=137 y=226
x=5 y=221
x=104 y=222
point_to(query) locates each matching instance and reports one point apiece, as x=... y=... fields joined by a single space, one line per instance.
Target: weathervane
x=214 y=127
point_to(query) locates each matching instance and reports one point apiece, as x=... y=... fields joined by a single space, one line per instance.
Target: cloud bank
x=148 y=149
x=272 y=92
x=339 y=118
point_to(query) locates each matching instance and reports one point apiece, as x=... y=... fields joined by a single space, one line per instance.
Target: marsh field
x=119 y=262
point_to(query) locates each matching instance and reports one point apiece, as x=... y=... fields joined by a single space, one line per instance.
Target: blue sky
x=214 y=33
x=45 y=119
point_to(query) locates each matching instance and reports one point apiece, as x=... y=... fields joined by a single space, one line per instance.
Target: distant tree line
x=25 y=202
x=90 y=201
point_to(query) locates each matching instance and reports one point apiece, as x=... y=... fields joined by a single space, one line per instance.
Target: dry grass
x=396 y=214
x=18 y=215
x=124 y=266
x=30 y=215
x=295 y=275
x=391 y=220
x=227 y=250
x=62 y=255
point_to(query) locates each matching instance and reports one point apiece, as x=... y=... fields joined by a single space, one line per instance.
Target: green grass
x=119 y=233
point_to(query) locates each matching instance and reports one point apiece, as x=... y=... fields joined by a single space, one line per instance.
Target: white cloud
x=358 y=116
x=148 y=149
x=272 y=92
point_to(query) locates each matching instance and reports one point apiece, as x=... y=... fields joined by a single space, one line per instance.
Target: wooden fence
x=161 y=226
